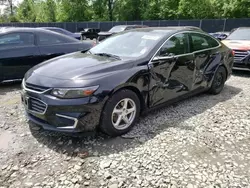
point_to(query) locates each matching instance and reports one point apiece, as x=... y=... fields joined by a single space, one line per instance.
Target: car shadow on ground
x=11 y=86
x=241 y=73
x=97 y=144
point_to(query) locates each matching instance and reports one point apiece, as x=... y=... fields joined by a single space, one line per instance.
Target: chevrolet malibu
x=109 y=86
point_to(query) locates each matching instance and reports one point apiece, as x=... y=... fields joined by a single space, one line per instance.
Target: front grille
x=240 y=55
x=37 y=105
x=36 y=88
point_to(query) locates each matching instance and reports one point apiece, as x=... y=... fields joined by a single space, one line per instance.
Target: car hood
x=237 y=44
x=80 y=66
x=105 y=33
x=76 y=34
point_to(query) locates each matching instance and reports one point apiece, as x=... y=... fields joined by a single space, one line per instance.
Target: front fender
x=136 y=78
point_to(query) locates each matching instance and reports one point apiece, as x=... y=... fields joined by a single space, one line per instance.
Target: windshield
x=117 y=29
x=240 y=34
x=129 y=44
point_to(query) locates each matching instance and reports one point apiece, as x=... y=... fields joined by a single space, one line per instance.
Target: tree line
x=120 y=10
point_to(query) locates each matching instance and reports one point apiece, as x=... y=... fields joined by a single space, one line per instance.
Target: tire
x=218 y=81
x=114 y=108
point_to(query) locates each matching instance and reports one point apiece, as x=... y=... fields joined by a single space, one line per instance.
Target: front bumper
x=241 y=65
x=64 y=115
x=242 y=62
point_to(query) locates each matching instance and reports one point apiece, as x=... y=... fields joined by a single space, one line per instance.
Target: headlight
x=70 y=93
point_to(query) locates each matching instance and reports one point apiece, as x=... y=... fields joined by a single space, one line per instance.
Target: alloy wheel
x=124 y=114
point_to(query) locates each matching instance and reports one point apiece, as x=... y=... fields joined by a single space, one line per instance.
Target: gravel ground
x=200 y=142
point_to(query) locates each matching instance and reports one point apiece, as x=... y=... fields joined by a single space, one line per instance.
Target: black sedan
x=63 y=31
x=109 y=86
x=22 y=48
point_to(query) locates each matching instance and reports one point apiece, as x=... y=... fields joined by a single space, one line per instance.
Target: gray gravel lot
x=200 y=142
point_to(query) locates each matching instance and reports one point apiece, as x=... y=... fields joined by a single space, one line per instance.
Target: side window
x=212 y=43
x=17 y=39
x=201 y=42
x=58 y=31
x=49 y=39
x=176 y=45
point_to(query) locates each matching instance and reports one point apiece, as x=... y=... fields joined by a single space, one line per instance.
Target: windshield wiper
x=108 y=55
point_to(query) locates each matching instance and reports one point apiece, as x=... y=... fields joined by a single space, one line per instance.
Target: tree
x=26 y=11
x=46 y=11
x=122 y=10
x=99 y=11
x=195 y=9
x=74 y=10
x=236 y=9
x=169 y=9
x=111 y=5
x=128 y=10
x=151 y=9
x=10 y=4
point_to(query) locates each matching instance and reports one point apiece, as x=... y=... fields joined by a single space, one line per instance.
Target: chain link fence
x=208 y=25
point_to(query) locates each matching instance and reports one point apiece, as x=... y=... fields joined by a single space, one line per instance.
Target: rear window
x=57 y=30
x=117 y=28
x=52 y=39
x=239 y=34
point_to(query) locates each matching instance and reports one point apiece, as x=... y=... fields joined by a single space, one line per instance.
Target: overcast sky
x=15 y=2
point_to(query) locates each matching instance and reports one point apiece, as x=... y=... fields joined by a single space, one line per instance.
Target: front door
x=171 y=70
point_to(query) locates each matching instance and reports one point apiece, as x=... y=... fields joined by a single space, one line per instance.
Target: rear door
x=171 y=70
x=18 y=53
x=52 y=45
x=206 y=53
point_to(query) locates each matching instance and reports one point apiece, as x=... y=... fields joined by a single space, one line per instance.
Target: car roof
x=24 y=29
x=29 y=29
x=243 y=28
x=128 y=25
x=173 y=29
x=51 y=28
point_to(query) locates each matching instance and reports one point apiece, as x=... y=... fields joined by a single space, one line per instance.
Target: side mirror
x=160 y=58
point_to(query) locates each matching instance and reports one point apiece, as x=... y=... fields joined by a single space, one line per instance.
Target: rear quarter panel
x=219 y=57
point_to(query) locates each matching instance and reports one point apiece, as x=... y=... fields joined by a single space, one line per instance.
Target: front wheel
x=120 y=113
x=218 y=81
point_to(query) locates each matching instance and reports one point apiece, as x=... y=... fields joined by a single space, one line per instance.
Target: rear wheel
x=218 y=81
x=120 y=113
